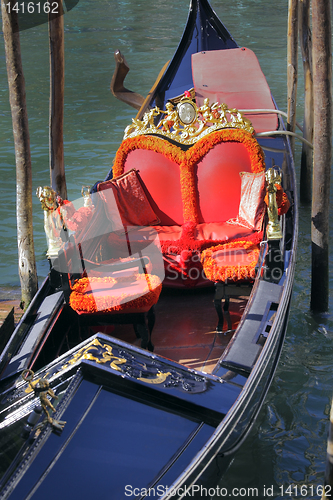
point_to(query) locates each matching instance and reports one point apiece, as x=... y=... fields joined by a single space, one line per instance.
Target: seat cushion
x=222 y=231
x=171 y=233
x=123 y=294
x=232 y=262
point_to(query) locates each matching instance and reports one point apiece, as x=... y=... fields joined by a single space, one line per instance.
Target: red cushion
x=233 y=261
x=135 y=293
x=162 y=179
x=221 y=231
x=171 y=233
x=132 y=203
x=234 y=77
x=219 y=183
x=174 y=178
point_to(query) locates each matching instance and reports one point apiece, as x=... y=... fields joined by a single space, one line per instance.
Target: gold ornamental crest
x=185 y=123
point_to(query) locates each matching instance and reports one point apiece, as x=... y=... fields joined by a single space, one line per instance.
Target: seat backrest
x=234 y=77
x=201 y=184
x=161 y=178
x=219 y=181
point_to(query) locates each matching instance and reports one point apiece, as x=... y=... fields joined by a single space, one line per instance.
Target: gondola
x=142 y=363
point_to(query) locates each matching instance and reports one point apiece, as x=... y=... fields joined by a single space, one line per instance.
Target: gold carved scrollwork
x=160 y=378
x=186 y=123
x=102 y=354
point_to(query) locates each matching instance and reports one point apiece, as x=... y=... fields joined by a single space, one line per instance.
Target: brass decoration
x=42 y=389
x=48 y=198
x=53 y=224
x=273 y=177
x=187 y=123
x=85 y=192
x=160 y=378
x=100 y=353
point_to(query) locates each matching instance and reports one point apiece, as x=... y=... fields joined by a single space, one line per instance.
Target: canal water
x=287 y=446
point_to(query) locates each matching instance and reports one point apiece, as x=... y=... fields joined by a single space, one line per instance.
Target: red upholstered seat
x=194 y=193
x=119 y=292
x=234 y=77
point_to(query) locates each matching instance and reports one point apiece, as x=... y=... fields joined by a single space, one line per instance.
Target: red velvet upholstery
x=162 y=180
x=194 y=193
x=215 y=231
x=234 y=77
x=219 y=182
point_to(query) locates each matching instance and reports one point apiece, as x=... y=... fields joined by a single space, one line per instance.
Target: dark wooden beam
x=307 y=152
x=56 y=118
x=292 y=66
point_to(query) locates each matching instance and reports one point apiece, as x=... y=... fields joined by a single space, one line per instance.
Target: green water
x=288 y=444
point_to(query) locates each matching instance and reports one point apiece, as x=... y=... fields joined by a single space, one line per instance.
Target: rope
x=284 y=132
x=277 y=111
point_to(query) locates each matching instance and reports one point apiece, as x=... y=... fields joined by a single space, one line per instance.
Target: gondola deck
x=185 y=328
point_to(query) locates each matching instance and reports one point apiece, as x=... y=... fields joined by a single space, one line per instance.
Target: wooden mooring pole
x=17 y=98
x=57 y=87
x=307 y=152
x=322 y=153
x=292 y=66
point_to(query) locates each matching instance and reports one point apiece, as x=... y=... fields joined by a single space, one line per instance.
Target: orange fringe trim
x=188 y=159
x=83 y=284
x=216 y=272
x=81 y=301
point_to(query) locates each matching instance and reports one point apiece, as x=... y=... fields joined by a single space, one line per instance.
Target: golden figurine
x=210 y=114
x=41 y=388
x=171 y=120
x=147 y=122
x=53 y=224
x=273 y=177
